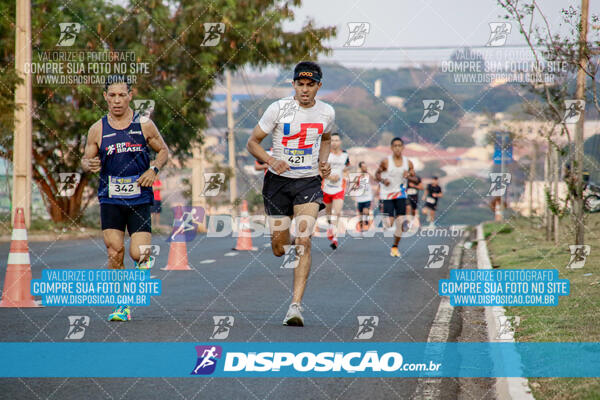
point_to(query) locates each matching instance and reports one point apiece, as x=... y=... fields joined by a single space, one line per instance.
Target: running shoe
x=121 y=313
x=394 y=252
x=145 y=264
x=293 y=316
x=334 y=244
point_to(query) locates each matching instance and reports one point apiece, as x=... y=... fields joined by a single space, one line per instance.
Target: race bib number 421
x=123 y=187
x=298 y=158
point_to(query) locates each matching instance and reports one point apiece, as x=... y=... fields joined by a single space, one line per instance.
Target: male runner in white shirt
x=301 y=131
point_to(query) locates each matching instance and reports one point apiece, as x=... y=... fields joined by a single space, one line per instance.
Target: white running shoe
x=293 y=316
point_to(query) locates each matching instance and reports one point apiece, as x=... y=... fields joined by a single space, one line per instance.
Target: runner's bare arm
x=90 y=162
x=324 y=167
x=253 y=146
x=347 y=168
x=411 y=168
x=156 y=143
x=382 y=168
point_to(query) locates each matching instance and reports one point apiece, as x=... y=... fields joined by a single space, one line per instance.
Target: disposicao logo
x=207 y=359
x=308 y=361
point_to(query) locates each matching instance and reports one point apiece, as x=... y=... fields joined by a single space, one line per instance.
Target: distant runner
x=431 y=196
x=391 y=175
x=412 y=194
x=156 y=208
x=363 y=201
x=334 y=187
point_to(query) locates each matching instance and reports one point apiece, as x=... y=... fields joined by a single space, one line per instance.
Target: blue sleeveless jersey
x=124 y=155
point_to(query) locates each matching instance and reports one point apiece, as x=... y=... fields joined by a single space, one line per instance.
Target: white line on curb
x=429 y=388
x=506 y=388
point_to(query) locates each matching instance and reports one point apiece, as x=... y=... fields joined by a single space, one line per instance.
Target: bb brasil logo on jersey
x=123 y=147
x=125 y=180
x=297 y=152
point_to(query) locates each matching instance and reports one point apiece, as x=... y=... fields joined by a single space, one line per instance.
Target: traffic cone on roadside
x=244 y=241
x=17 y=281
x=178 y=259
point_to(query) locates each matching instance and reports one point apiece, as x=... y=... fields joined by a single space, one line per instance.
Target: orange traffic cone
x=17 y=281
x=244 y=241
x=178 y=259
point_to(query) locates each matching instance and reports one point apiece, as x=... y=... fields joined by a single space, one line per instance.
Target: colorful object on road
x=244 y=241
x=178 y=259
x=17 y=282
x=121 y=313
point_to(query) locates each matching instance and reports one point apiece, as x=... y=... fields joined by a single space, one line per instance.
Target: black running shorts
x=413 y=201
x=394 y=207
x=281 y=194
x=432 y=206
x=135 y=218
x=362 y=205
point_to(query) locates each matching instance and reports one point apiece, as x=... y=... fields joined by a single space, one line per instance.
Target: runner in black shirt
x=431 y=196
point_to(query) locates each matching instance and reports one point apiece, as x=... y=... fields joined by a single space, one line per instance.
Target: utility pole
x=532 y=176
x=502 y=176
x=197 y=175
x=21 y=193
x=547 y=186
x=555 y=195
x=580 y=95
x=231 y=140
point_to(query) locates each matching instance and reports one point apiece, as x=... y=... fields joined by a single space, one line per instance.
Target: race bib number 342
x=298 y=158
x=123 y=187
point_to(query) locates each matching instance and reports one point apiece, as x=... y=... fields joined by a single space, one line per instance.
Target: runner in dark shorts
x=118 y=148
x=392 y=175
x=412 y=194
x=156 y=207
x=301 y=129
x=431 y=196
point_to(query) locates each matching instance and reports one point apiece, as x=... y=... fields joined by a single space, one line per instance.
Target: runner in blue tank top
x=118 y=147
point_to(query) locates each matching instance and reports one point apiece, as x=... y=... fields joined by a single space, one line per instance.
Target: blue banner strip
x=364 y=359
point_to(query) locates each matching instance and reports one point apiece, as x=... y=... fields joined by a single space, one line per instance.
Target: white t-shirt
x=338 y=162
x=297 y=134
x=397 y=187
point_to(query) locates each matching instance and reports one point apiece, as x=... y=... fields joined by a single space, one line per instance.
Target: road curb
x=506 y=388
x=430 y=388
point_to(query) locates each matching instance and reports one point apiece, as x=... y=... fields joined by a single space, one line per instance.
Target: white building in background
x=527 y=129
x=539 y=198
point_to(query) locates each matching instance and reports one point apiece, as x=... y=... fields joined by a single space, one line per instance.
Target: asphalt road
x=360 y=278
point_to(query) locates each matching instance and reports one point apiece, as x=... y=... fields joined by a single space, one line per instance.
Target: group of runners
x=306 y=171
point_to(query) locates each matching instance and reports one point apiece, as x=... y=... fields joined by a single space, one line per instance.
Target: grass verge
x=521 y=243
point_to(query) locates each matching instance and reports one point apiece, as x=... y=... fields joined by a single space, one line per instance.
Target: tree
x=168 y=36
x=572 y=53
